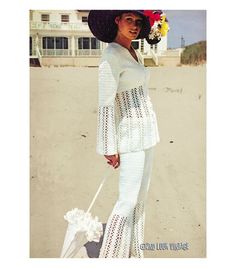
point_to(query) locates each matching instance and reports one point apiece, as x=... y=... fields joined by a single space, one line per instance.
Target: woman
x=127 y=127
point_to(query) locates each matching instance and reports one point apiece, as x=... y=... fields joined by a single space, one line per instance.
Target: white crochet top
x=126 y=120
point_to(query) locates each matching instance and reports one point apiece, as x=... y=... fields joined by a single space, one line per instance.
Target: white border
x=15 y=134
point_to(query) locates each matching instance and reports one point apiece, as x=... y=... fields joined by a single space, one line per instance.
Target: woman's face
x=129 y=25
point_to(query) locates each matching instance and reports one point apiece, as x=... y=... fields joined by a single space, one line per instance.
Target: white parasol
x=82 y=227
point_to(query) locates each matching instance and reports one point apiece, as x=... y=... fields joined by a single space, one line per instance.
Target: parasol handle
x=107 y=174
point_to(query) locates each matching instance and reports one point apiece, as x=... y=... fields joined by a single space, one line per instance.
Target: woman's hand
x=113 y=160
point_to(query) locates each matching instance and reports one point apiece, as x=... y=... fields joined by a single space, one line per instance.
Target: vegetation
x=194 y=54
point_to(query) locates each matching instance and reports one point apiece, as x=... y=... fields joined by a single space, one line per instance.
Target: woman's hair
x=116 y=26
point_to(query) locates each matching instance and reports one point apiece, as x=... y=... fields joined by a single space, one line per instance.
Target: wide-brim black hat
x=103 y=27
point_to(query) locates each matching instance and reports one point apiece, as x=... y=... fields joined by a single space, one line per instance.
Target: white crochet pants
x=125 y=227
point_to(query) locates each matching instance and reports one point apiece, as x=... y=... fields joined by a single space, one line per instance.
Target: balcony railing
x=154 y=56
x=88 y=52
x=66 y=52
x=34 y=25
x=56 y=52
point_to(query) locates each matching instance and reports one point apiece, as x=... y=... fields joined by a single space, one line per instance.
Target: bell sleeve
x=108 y=80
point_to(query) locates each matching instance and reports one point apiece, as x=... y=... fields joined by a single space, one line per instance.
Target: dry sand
x=66 y=170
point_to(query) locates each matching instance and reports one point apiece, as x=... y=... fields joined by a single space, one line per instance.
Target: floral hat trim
x=159 y=25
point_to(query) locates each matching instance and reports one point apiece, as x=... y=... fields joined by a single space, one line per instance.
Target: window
x=87 y=43
x=142 y=45
x=61 y=43
x=65 y=18
x=44 y=17
x=50 y=42
x=95 y=44
x=80 y=43
x=83 y=43
x=135 y=44
x=84 y=19
x=30 y=46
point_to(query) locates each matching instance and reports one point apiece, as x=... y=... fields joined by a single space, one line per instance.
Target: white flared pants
x=125 y=227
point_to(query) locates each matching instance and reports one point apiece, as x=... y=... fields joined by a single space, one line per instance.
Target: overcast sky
x=191 y=24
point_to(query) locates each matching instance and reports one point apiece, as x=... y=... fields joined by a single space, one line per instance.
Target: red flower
x=152 y=16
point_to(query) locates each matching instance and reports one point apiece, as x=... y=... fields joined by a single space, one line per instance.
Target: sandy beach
x=66 y=170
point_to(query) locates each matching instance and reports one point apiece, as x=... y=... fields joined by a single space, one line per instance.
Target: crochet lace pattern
x=138 y=230
x=128 y=125
x=124 y=234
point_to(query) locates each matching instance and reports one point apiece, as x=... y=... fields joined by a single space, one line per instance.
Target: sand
x=66 y=170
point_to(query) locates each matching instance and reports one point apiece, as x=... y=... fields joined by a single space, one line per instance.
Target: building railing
x=97 y=53
x=39 y=55
x=88 y=52
x=66 y=52
x=35 y=25
x=154 y=56
x=140 y=55
x=56 y=52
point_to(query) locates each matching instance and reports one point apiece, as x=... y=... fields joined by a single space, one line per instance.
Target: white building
x=63 y=38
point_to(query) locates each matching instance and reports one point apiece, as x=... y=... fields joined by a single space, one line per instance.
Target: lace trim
x=138 y=230
x=113 y=238
x=106 y=130
x=123 y=235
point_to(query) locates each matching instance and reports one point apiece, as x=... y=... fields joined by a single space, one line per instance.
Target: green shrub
x=194 y=54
